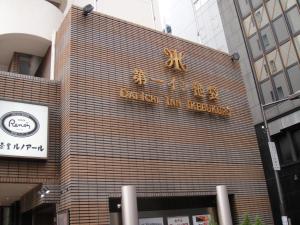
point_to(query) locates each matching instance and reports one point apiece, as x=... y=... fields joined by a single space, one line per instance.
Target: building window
x=288 y=145
x=255 y=46
x=267 y=38
x=274 y=9
x=249 y=26
x=280 y=92
x=261 y=17
x=280 y=29
x=261 y=69
x=258 y=17
x=288 y=53
x=256 y=3
x=294 y=76
x=284 y=149
x=24 y=64
x=294 y=19
x=286 y=4
x=281 y=86
x=296 y=139
x=272 y=95
x=273 y=66
x=244 y=7
x=274 y=61
x=267 y=91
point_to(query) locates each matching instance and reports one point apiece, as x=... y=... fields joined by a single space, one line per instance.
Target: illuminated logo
x=19 y=124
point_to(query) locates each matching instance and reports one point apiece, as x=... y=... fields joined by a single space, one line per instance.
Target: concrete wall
x=34 y=17
x=236 y=43
x=142 y=12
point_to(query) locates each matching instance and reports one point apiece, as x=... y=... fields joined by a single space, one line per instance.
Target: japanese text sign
x=23 y=130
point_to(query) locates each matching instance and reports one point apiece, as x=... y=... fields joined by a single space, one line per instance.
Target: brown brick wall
x=108 y=142
x=62 y=72
x=45 y=66
x=16 y=87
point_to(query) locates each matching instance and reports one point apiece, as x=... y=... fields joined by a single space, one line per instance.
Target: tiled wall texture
x=108 y=141
x=28 y=89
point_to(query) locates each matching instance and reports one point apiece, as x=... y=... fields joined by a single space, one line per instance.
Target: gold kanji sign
x=139 y=77
x=175 y=60
x=198 y=89
x=213 y=93
x=176 y=100
x=172 y=84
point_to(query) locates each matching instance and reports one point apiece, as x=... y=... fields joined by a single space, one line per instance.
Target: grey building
x=266 y=34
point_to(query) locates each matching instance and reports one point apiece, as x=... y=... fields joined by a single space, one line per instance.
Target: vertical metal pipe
x=277 y=178
x=224 y=213
x=129 y=205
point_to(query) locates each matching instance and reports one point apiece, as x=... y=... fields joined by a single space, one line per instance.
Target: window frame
x=288 y=76
x=285 y=25
x=288 y=21
x=257 y=6
x=239 y=8
x=266 y=51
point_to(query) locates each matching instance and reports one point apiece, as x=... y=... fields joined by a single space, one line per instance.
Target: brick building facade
x=99 y=140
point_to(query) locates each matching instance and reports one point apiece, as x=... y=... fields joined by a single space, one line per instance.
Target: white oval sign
x=19 y=124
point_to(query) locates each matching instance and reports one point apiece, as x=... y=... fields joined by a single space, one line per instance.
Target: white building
x=195 y=20
x=28 y=28
x=143 y=12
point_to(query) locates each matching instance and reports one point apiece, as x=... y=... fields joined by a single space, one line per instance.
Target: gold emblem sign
x=142 y=78
x=175 y=60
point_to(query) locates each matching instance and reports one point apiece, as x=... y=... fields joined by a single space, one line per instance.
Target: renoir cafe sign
x=23 y=130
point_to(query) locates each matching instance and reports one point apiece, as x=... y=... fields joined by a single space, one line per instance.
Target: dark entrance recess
x=288 y=147
x=41 y=215
x=151 y=207
x=166 y=203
